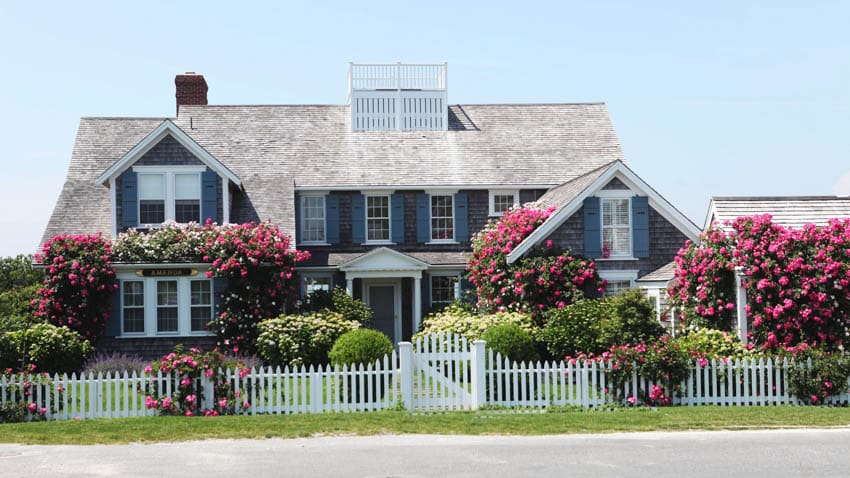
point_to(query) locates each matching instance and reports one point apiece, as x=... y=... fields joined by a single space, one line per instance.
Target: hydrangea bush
x=544 y=278
x=78 y=286
x=472 y=325
x=797 y=281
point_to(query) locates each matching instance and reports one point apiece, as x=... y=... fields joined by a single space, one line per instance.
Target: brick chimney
x=191 y=89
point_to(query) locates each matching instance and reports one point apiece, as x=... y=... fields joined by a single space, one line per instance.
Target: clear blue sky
x=715 y=98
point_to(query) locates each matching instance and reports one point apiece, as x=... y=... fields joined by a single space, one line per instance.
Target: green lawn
x=152 y=429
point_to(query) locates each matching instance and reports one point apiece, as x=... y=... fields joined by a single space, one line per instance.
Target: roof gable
x=569 y=197
x=164 y=130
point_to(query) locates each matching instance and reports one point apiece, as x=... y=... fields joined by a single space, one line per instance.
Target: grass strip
x=488 y=422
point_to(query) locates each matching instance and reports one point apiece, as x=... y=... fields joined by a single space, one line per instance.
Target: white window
x=313 y=219
x=173 y=194
x=166 y=306
x=444 y=290
x=616 y=227
x=151 y=198
x=377 y=218
x=313 y=283
x=152 y=306
x=133 y=307
x=201 y=305
x=617 y=281
x=442 y=218
x=501 y=201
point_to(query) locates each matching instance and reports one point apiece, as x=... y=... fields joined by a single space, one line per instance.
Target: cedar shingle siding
x=665 y=240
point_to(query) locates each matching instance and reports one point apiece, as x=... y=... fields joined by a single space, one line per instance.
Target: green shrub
x=594 y=325
x=470 y=325
x=17 y=301
x=11 y=323
x=576 y=328
x=301 y=339
x=51 y=349
x=712 y=344
x=632 y=320
x=339 y=301
x=360 y=346
x=511 y=341
x=827 y=375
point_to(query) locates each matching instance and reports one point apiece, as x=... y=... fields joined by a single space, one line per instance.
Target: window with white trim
x=616 y=227
x=201 y=305
x=501 y=201
x=442 y=218
x=168 y=195
x=152 y=306
x=166 y=306
x=133 y=306
x=313 y=219
x=616 y=281
x=443 y=290
x=378 y=218
x=311 y=283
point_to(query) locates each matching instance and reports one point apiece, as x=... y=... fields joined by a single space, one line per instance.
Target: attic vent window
x=399 y=97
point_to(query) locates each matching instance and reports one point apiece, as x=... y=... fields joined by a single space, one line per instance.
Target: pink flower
x=632 y=400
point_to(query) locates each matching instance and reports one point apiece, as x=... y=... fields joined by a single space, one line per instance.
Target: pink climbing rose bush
x=255 y=258
x=78 y=286
x=797 y=281
x=543 y=279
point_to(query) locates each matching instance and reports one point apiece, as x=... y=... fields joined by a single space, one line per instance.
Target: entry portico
x=381 y=272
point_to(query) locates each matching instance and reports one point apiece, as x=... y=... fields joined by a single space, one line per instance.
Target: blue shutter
x=592 y=228
x=397 y=218
x=113 y=324
x=358 y=219
x=640 y=226
x=332 y=219
x=219 y=284
x=426 y=293
x=129 y=199
x=297 y=218
x=423 y=218
x=209 y=196
x=461 y=218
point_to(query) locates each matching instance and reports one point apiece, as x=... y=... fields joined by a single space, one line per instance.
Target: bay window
x=152 y=306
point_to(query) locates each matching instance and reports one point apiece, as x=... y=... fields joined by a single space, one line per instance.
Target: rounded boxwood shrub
x=511 y=341
x=51 y=349
x=361 y=346
x=301 y=339
x=632 y=320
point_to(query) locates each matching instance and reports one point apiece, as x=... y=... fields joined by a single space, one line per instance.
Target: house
x=787 y=211
x=385 y=192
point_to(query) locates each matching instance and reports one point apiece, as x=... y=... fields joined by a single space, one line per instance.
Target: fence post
x=405 y=352
x=477 y=372
x=315 y=390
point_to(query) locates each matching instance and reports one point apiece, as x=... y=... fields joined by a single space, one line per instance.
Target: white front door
x=384 y=298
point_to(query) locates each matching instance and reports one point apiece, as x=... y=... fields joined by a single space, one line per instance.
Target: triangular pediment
x=170 y=132
x=383 y=259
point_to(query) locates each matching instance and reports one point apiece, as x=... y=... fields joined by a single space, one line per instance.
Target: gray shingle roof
x=274 y=149
x=789 y=211
x=663 y=273
x=562 y=195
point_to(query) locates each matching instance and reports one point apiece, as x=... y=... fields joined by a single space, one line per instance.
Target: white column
x=417 y=303
x=741 y=298
x=349 y=286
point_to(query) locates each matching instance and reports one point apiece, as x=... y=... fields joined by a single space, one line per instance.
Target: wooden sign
x=166 y=272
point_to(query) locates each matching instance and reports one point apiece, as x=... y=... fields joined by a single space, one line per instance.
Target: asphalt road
x=821 y=453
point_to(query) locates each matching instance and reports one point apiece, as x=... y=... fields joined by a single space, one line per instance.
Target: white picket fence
x=440 y=372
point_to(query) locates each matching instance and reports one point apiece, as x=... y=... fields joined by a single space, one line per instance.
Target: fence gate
x=442 y=373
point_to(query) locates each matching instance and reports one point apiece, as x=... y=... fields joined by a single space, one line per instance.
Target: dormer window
x=173 y=194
